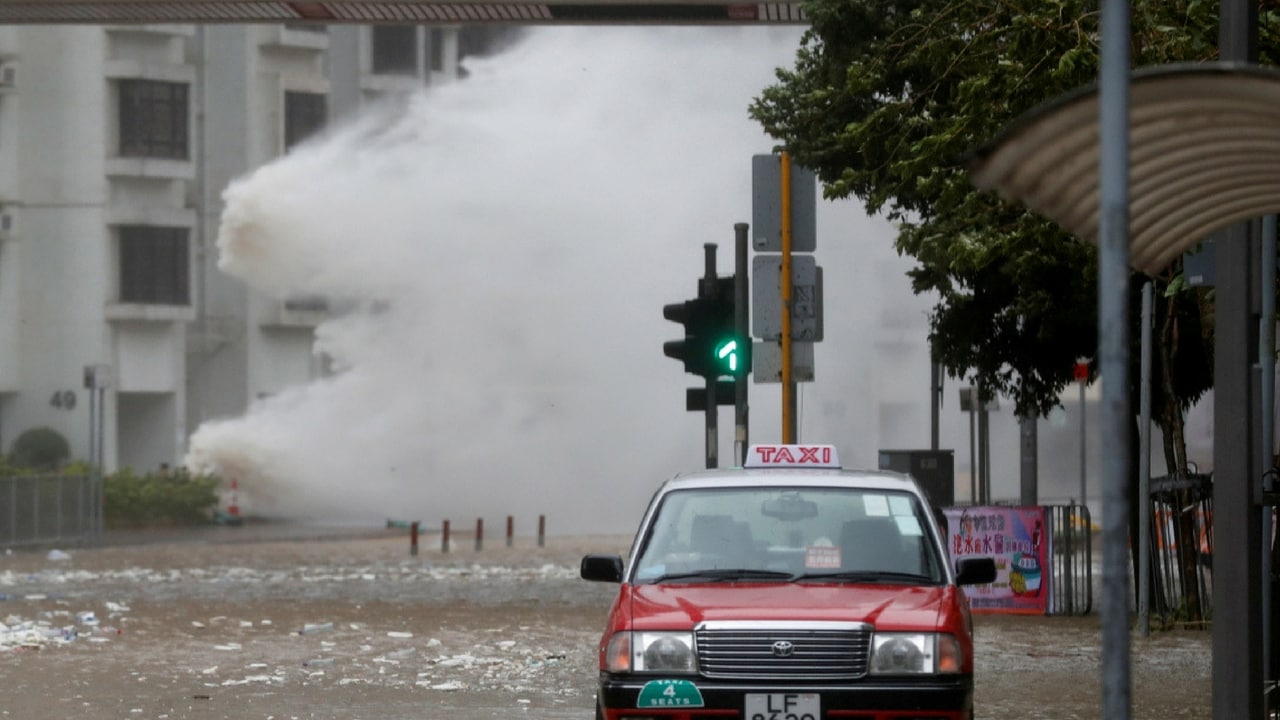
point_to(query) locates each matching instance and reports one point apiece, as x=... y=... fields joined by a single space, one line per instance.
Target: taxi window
x=787 y=530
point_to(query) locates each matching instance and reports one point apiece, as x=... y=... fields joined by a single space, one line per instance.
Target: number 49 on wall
x=63 y=399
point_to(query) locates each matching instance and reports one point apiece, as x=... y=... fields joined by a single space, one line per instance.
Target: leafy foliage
x=886 y=103
x=40 y=448
x=179 y=498
x=129 y=499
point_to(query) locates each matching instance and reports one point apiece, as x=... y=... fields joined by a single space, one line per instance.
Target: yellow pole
x=788 y=389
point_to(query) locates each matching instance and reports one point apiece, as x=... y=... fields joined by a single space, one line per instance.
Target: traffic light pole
x=708 y=288
x=740 y=321
x=716 y=344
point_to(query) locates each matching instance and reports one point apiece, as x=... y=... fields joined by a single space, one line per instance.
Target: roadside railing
x=1181 y=545
x=1071 y=563
x=1043 y=556
x=49 y=509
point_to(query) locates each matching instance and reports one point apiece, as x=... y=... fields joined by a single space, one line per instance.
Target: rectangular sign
x=1015 y=537
x=766 y=362
x=766 y=298
x=766 y=206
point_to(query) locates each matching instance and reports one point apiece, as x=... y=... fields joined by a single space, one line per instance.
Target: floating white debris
x=399 y=634
x=457 y=660
x=58 y=555
x=227 y=646
x=448 y=686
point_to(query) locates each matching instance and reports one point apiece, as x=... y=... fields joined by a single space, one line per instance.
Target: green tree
x=886 y=103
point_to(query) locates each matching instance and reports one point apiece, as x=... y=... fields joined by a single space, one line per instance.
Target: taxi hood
x=671 y=606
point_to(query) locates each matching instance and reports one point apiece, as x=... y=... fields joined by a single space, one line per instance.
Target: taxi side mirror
x=975 y=571
x=606 y=568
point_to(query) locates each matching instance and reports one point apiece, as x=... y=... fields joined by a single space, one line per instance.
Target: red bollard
x=444 y=537
x=479 y=533
x=542 y=530
x=413 y=538
x=511 y=528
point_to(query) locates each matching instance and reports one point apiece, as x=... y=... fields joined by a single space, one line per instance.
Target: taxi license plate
x=783 y=706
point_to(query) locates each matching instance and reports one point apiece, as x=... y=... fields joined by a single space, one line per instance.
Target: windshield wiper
x=718 y=574
x=867 y=576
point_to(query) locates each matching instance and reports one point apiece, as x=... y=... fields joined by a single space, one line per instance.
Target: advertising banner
x=1015 y=537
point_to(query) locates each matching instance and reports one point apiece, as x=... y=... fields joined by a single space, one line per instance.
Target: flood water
x=356 y=627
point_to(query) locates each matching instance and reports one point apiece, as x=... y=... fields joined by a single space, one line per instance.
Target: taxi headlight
x=651 y=652
x=914 y=654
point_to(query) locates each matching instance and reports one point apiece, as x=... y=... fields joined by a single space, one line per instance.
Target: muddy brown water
x=212 y=629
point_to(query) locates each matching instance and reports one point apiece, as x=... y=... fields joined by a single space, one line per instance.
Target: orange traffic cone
x=233 y=507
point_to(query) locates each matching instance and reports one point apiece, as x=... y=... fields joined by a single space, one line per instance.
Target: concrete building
x=115 y=144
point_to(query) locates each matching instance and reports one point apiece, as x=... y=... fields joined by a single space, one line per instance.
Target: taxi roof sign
x=792 y=456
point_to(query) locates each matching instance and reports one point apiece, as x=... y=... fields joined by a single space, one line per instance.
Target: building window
x=435 y=63
x=153 y=119
x=486 y=40
x=304 y=113
x=154 y=266
x=395 y=49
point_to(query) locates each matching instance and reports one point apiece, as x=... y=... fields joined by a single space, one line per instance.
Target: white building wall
x=217 y=349
x=62 y=241
x=65 y=191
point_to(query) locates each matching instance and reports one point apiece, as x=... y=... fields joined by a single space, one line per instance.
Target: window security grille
x=153 y=119
x=154 y=267
x=304 y=114
x=395 y=49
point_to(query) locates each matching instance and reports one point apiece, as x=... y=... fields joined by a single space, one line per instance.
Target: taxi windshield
x=821 y=534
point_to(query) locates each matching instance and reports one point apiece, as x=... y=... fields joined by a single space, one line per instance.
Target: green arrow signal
x=729 y=352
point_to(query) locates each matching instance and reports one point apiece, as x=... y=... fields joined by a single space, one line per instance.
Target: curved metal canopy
x=1204 y=152
x=572 y=12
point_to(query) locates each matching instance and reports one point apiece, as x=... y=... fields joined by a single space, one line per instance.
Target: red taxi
x=788 y=589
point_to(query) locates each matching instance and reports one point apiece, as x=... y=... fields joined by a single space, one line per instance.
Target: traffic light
x=730 y=353
x=711 y=347
x=692 y=349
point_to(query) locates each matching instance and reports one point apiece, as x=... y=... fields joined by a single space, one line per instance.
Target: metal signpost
x=787 y=308
x=97 y=378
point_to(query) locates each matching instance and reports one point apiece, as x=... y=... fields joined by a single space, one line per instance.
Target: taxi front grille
x=756 y=651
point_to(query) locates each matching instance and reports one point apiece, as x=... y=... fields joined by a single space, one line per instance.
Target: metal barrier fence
x=38 y=510
x=1071 y=567
x=1181 y=545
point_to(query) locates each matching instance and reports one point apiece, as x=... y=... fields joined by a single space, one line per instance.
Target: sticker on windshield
x=669 y=693
x=876 y=505
x=822 y=557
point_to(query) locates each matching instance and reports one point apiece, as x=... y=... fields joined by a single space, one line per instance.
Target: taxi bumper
x=932 y=698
